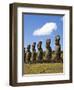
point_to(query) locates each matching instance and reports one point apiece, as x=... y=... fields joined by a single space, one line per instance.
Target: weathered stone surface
x=57 y=49
x=48 y=53
x=40 y=51
x=33 y=55
x=44 y=56
x=28 y=54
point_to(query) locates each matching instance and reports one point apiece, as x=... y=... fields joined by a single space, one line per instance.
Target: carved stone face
x=33 y=46
x=24 y=49
x=28 y=48
x=48 y=41
x=39 y=45
x=57 y=40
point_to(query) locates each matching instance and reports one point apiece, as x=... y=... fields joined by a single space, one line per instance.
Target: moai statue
x=48 y=53
x=28 y=54
x=40 y=52
x=57 y=49
x=24 y=55
x=33 y=55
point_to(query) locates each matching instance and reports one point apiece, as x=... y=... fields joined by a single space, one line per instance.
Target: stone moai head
x=48 y=41
x=57 y=40
x=24 y=50
x=40 y=51
x=57 y=50
x=39 y=45
x=28 y=54
x=28 y=47
x=33 y=46
x=48 y=54
x=33 y=55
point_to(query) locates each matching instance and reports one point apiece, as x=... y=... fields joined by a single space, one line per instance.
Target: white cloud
x=46 y=29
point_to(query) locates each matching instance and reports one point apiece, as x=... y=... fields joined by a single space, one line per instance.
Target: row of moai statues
x=33 y=56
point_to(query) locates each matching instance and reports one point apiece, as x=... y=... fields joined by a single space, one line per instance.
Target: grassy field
x=43 y=68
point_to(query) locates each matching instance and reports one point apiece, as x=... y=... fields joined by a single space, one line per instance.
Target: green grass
x=43 y=68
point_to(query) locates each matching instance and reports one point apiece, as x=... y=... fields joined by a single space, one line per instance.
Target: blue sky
x=41 y=27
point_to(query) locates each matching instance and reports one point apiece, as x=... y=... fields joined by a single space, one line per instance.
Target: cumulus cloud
x=46 y=29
